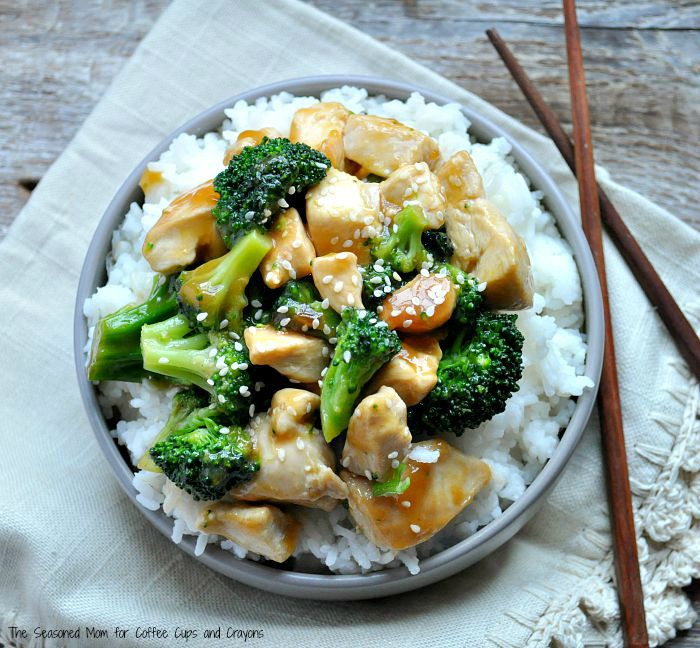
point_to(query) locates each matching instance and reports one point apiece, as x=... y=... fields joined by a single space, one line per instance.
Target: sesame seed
x=411 y=310
x=285 y=321
x=221 y=399
x=380 y=308
x=341 y=256
x=392 y=455
x=202 y=316
x=395 y=464
x=238 y=346
x=406 y=504
x=259 y=385
x=304 y=328
x=267 y=213
x=378 y=293
x=375 y=280
x=338 y=286
x=368 y=474
x=347 y=243
x=407 y=323
x=356 y=234
x=324 y=352
x=326 y=328
x=281 y=454
x=307 y=468
x=308 y=408
x=223 y=371
x=481 y=287
x=270 y=277
x=242 y=366
x=327 y=279
x=396 y=276
x=315 y=323
x=223 y=324
x=320 y=384
x=325 y=304
x=332 y=340
x=345 y=462
x=258 y=314
x=225 y=430
x=212 y=352
x=249 y=215
x=321 y=165
x=351 y=299
x=296 y=244
x=324 y=371
x=300 y=444
x=256 y=303
x=415 y=528
x=163 y=360
x=347 y=355
x=334 y=240
x=243 y=390
x=210 y=382
x=415 y=301
x=354 y=280
x=292 y=190
x=283 y=203
x=424 y=273
x=283 y=309
x=395 y=313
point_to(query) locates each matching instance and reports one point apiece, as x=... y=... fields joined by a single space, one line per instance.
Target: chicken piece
x=292 y=411
x=487 y=246
x=153 y=185
x=337 y=279
x=460 y=180
x=378 y=438
x=342 y=214
x=438 y=492
x=294 y=468
x=321 y=127
x=382 y=145
x=249 y=138
x=412 y=373
x=292 y=252
x=185 y=233
x=262 y=529
x=295 y=355
x=415 y=183
x=423 y=304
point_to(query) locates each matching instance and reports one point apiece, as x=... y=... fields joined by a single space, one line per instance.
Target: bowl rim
x=452 y=559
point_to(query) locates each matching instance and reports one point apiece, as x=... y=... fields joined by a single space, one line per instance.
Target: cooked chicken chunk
x=413 y=371
x=292 y=411
x=415 y=183
x=153 y=185
x=382 y=145
x=337 y=279
x=249 y=138
x=297 y=356
x=342 y=213
x=321 y=127
x=423 y=304
x=262 y=529
x=293 y=468
x=460 y=179
x=185 y=233
x=487 y=246
x=292 y=252
x=378 y=438
x=437 y=493
x=485 y=243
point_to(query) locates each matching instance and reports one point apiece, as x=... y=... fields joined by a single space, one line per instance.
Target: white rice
x=516 y=444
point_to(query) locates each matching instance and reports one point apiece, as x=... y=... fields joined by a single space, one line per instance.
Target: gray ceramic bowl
x=391 y=581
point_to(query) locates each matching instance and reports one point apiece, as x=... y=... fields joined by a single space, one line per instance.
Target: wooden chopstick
x=685 y=338
x=629 y=585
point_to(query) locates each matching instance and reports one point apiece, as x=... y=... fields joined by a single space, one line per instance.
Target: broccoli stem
x=116 y=351
x=167 y=351
x=217 y=288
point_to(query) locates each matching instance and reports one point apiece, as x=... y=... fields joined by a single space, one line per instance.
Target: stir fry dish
x=331 y=308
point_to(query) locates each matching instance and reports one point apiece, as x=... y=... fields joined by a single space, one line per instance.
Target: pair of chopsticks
x=594 y=202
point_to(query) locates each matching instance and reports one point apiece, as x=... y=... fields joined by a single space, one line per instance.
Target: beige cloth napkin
x=74 y=551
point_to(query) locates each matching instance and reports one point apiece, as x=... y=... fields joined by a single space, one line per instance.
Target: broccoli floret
x=379 y=280
x=116 y=352
x=212 y=295
x=213 y=362
x=478 y=373
x=469 y=299
x=301 y=304
x=204 y=455
x=401 y=245
x=394 y=485
x=364 y=345
x=438 y=243
x=258 y=179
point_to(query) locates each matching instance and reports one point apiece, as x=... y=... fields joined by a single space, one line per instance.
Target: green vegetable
x=402 y=249
x=301 y=304
x=172 y=349
x=392 y=486
x=364 y=345
x=469 y=299
x=478 y=373
x=116 y=352
x=212 y=295
x=438 y=243
x=201 y=453
x=258 y=179
x=378 y=282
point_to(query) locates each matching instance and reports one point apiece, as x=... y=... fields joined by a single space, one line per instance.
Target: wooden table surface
x=642 y=58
